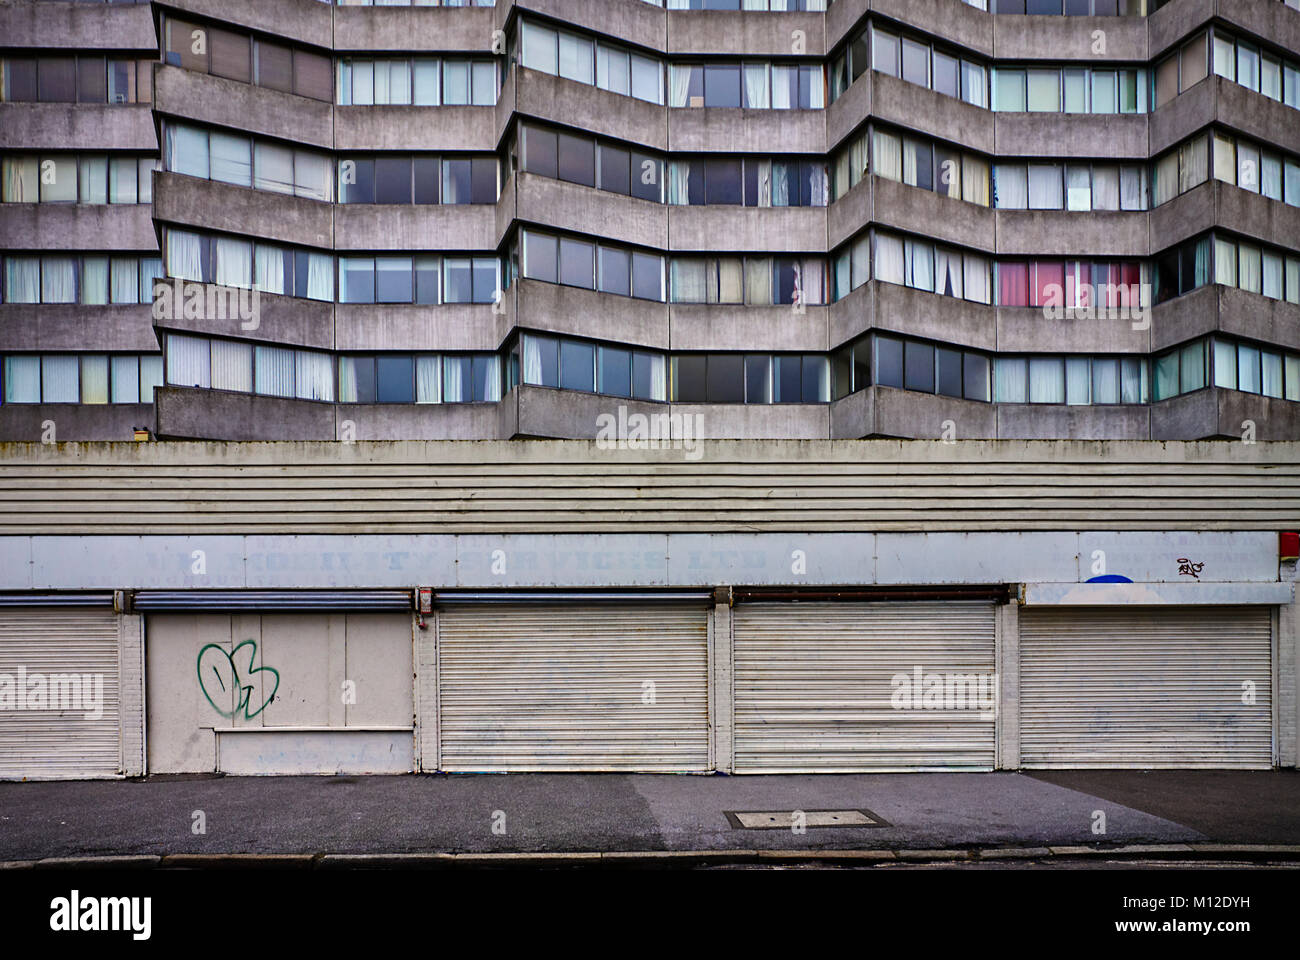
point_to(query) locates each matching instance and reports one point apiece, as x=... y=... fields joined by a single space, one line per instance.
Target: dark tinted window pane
x=58 y=79
x=861 y=364
x=646 y=177
x=758 y=379
x=722 y=86
x=358 y=180
x=483 y=180
x=577 y=366
x=548 y=350
x=724 y=181
x=20 y=79
x=647 y=277
x=814 y=370
x=615 y=271
x=541 y=261
x=950 y=366
x=924 y=166
x=577 y=263
x=541 y=151
x=485 y=279
x=365 y=375
x=643 y=376
x=688 y=379
x=231 y=55
x=358 y=281
x=889 y=362
x=484 y=373
x=787 y=379
x=615 y=170
x=396 y=376
x=841 y=373
x=945 y=74
x=1047 y=7
x=92 y=80
x=426 y=179
x=810 y=80
x=313 y=76
x=274 y=66
x=578 y=160
x=751 y=183
x=783 y=269
x=726 y=378
x=615 y=372
x=456 y=175
x=393 y=280
x=920 y=367
x=697 y=193
x=393 y=180
x=976 y=376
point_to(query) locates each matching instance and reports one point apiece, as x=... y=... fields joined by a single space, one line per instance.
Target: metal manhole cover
x=809 y=819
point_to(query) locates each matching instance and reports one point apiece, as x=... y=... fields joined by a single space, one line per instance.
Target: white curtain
x=758 y=281
x=909 y=161
x=273 y=169
x=756 y=89
x=22 y=280
x=919 y=263
x=20 y=180
x=313 y=376
x=58 y=280
x=1046 y=380
x=231 y=159
x=889 y=258
x=948 y=272
x=1166 y=178
x=1105 y=381
x=1272 y=276
x=187 y=150
x=975 y=180
x=1194 y=161
x=783 y=78
x=269 y=264
x=679 y=181
x=1248 y=265
x=1078 y=381
x=780 y=184
x=861 y=256
x=125 y=379
x=820 y=184
x=347 y=379
x=94 y=379
x=1105 y=187
x=1131 y=192
x=428 y=378
x=1045 y=187
x=889 y=156
x=126 y=280
x=1010 y=380
x=320 y=276
x=125 y=184
x=188 y=363
x=151 y=375
x=184 y=255
x=94 y=280
x=689 y=280
x=22 y=379
x=532 y=360
x=1225 y=262
x=234 y=262
x=59 y=380
x=976 y=271
x=313 y=176
x=1078 y=188
x=858 y=155
x=658 y=377
x=1011 y=186
x=493 y=392
x=453 y=380
x=94 y=180
x=232 y=366
x=813 y=281
x=274 y=368
x=764 y=182
x=679 y=82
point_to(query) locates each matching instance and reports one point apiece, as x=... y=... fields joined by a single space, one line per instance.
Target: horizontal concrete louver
x=511 y=487
x=1153 y=687
x=49 y=744
x=814 y=684
x=564 y=687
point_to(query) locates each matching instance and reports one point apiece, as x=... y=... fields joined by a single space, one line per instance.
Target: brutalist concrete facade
x=529 y=201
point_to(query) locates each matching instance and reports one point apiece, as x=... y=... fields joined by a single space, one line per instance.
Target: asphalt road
x=615 y=812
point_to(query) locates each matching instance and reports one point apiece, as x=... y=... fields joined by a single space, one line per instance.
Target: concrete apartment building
x=975 y=325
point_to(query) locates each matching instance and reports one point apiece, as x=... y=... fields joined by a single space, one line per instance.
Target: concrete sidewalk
x=1180 y=812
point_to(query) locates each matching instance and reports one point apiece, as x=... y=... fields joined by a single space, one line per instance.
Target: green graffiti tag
x=218 y=670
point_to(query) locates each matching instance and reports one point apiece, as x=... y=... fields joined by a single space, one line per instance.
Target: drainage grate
x=812 y=819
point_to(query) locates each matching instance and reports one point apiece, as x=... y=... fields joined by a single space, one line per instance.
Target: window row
x=82 y=79
x=592 y=266
x=92 y=279
x=924 y=265
x=235 y=262
x=755 y=86
x=1229 y=364
x=591 y=162
x=914 y=60
x=1068 y=8
x=1070 y=186
x=750 y=378
x=415 y=3
x=1247 y=64
x=595 y=63
x=919 y=162
x=1071 y=283
x=80 y=378
x=238 y=56
x=426 y=280
x=423 y=82
x=247 y=162
x=272 y=371
x=773 y=6
x=756 y=281
x=1230 y=262
x=1246 y=164
x=570 y=364
x=423 y=179
x=1069 y=90
x=77 y=178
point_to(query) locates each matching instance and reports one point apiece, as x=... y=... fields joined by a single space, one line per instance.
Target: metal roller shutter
x=1146 y=687
x=563 y=687
x=813 y=686
x=60 y=744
